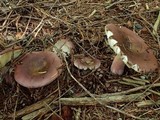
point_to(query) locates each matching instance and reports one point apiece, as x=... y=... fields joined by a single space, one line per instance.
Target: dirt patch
x=39 y=25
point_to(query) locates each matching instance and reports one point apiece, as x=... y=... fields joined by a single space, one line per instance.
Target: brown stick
x=33 y=107
x=104 y=100
x=147 y=103
x=79 y=101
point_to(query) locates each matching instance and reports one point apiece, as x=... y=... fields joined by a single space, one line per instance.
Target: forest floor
x=79 y=94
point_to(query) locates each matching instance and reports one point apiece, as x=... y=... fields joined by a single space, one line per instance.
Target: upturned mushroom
x=64 y=47
x=131 y=50
x=37 y=69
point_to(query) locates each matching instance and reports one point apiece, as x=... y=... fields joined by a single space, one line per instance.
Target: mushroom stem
x=117 y=66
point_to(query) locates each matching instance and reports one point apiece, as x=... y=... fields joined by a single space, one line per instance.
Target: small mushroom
x=131 y=49
x=85 y=63
x=63 y=46
x=38 y=69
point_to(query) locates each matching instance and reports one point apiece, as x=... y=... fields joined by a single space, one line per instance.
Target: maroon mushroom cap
x=38 y=69
x=84 y=62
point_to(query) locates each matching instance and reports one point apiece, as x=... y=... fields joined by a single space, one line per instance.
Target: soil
x=38 y=25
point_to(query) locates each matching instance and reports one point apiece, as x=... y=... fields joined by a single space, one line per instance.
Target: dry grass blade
x=156 y=25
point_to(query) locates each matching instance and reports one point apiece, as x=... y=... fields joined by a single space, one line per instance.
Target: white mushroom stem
x=117 y=66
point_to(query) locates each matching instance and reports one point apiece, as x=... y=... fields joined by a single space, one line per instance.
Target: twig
x=78 y=113
x=45 y=3
x=49 y=103
x=6 y=19
x=128 y=83
x=132 y=90
x=138 y=82
x=32 y=108
x=55 y=18
x=38 y=28
x=154 y=92
x=147 y=103
x=16 y=105
x=34 y=114
x=139 y=79
x=109 y=6
x=102 y=101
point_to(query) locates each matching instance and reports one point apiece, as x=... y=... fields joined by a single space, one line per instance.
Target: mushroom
x=85 y=63
x=131 y=49
x=65 y=46
x=38 y=69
